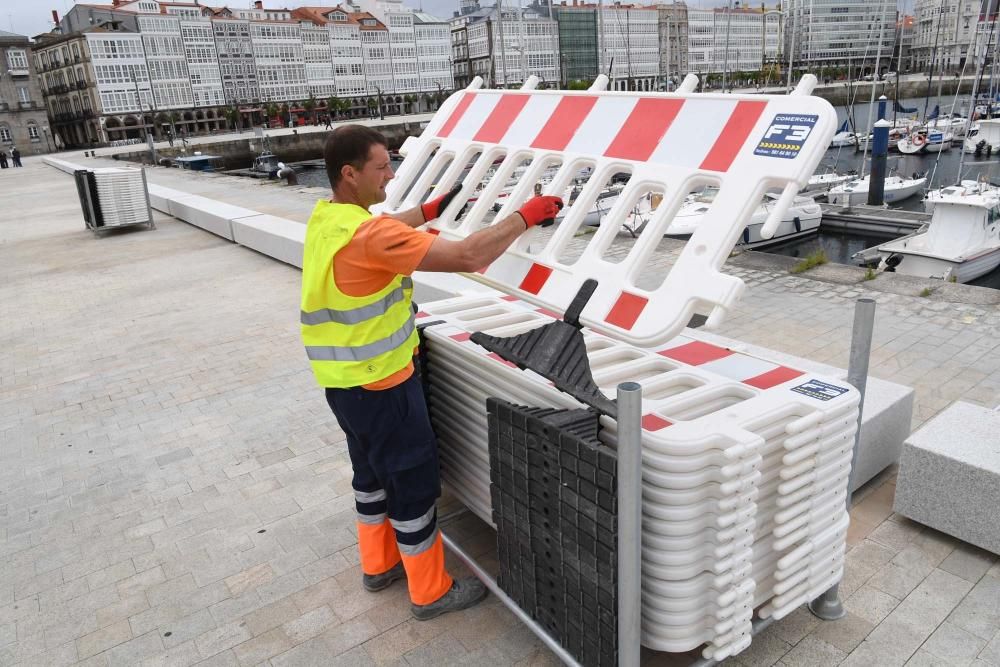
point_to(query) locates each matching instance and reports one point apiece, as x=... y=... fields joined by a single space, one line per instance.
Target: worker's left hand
x=434 y=207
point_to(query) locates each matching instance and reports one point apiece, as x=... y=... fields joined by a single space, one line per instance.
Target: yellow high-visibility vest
x=350 y=340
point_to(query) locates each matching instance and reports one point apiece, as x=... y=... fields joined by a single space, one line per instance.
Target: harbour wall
x=294 y=147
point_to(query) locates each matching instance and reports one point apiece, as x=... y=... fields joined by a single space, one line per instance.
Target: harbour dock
x=872 y=219
x=177 y=490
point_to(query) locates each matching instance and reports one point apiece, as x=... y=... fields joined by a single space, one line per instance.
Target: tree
x=272 y=111
x=409 y=100
x=332 y=106
x=310 y=106
x=232 y=115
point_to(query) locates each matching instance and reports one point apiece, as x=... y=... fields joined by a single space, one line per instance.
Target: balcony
x=81 y=85
x=19 y=72
x=30 y=104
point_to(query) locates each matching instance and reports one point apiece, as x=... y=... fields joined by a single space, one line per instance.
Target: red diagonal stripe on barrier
x=641 y=134
x=773 y=378
x=501 y=118
x=461 y=337
x=626 y=310
x=456 y=115
x=696 y=353
x=535 y=279
x=730 y=141
x=652 y=422
x=564 y=122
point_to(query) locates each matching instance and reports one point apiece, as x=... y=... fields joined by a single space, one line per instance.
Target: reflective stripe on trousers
x=362 y=352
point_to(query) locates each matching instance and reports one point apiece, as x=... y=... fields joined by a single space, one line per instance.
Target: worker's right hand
x=541 y=210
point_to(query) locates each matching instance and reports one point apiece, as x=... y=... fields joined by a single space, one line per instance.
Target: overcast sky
x=31 y=17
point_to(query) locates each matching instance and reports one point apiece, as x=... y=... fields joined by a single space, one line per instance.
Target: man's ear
x=348 y=173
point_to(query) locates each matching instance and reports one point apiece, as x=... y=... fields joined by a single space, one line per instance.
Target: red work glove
x=434 y=207
x=541 y=210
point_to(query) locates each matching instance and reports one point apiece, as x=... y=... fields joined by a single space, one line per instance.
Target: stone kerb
x=209 y=214
x=949 y=475
x=275 y=237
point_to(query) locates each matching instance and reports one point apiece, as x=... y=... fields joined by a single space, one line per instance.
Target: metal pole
x=828 y=606
x=629 y=522
x=491 y=584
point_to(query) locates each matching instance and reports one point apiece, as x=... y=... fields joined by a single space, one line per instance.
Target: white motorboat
x=926 y=141
x=955 y=123
x=823 y=182
x=896 y=134
x=985 y=139
x=856 y=191
x=961 y=243
x=801 y=219
x=963 y=189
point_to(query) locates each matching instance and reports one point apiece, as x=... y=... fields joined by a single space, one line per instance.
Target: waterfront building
x=838 y=33
x=168 y=71
x=236 y=61
x=279 y=58
x=377 y=58
x=943 y=33
x=202 y=58
x=506 y=48
x=433 y=38
x=461 y=66
x=22 y=114
x=397 y=27
x=620 y=41
x=316 y=50
x=729 y=40
x=577 y=42
x=629 y=46
x=674 y=64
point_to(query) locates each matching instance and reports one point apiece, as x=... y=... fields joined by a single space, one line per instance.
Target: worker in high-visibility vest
x=358 y=330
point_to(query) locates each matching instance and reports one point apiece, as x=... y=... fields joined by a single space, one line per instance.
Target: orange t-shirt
x=381 y=249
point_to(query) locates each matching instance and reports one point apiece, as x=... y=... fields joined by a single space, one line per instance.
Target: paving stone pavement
x=174 y=490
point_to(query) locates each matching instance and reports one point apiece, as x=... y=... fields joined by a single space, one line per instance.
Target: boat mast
x=930 y=75
x=899 y=66
x=871 y=102
x=975 y=90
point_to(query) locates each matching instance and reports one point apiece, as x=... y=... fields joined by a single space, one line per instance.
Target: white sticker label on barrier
x=611 y=155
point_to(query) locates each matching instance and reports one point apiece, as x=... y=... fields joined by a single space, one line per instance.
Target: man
x=15 y=156
x=358 y=329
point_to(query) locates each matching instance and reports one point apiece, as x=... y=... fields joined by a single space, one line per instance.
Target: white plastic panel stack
x=122 y=196
x=745 y=465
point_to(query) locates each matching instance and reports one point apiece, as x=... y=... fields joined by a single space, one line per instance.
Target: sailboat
x=856 y=191
x=844 y=137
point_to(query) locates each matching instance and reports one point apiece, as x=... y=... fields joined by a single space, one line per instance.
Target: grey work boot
x=464 y=593
x=374 y=583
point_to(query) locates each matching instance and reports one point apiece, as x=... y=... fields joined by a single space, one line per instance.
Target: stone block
x=212 y=216
x=159 y=197
x=949 y=475
x=275 y=237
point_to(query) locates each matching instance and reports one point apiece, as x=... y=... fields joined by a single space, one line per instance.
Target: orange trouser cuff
x=425 y=574
x=377 y=544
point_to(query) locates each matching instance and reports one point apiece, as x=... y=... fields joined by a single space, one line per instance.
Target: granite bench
x=949 y=475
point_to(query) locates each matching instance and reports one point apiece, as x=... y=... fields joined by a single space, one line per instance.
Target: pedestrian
x=357 y=321
x=15 y=157
x=328 y=124
x=170 y=138
x=3 y=159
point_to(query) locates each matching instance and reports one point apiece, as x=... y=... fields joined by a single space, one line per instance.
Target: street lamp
x=440 y=93
x=45 y=131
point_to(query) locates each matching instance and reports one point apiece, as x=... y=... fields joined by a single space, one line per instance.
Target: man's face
x=372 y=178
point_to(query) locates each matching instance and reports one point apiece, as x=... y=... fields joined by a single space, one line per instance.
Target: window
x=16 y=59
x=23 y=94
x=33 y=132
x=5 y=134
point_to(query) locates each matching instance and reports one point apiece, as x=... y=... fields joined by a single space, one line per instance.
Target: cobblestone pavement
x=174 y=490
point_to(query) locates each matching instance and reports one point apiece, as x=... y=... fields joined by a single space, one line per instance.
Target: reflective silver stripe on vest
x=372 y=519
x=362 y=352
x=413 y=525
x=361 y=313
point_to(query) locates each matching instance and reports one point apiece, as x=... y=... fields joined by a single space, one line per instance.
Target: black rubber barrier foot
x=556 y=351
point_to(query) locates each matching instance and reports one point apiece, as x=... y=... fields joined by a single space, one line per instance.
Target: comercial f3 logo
x=786 y=135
